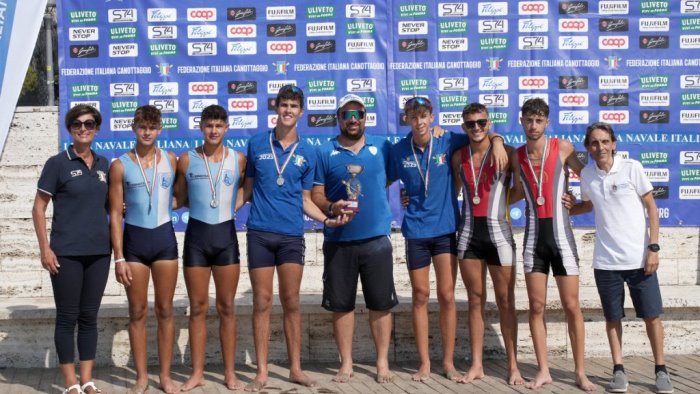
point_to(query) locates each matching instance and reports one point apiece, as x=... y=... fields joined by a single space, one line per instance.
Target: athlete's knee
x=446 y=297
x=199 y=308
x=138 y=312
x=420 y=296
x=225 y=307
x=164 y=311
x=262 y=302
x=537 y=307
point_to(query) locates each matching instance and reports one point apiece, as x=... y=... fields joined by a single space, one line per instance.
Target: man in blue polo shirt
x=351 y=180
x=279 y=177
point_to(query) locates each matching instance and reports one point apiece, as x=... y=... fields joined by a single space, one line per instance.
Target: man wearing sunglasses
x=351 y=180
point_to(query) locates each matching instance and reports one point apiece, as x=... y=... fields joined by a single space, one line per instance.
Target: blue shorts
x=372 y=260
x=207 y=244
x=148 y=245
x=644 y=291
x=267 y=249
x=420 y=251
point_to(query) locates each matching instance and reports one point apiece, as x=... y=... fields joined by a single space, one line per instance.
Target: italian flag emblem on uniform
x=440 y=159
x=298 y=160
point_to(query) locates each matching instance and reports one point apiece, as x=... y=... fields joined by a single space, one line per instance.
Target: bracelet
x=498 y=136
x=330 y=210
x=325 y=221
x=121 y=260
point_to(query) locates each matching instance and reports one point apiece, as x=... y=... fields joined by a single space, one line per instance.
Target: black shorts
x=372 y=260
x=267 y=249
x=420 y=251
x=548 y=253
x=148 y=245
x=482 y=246
x=207 y=244
x=644 y=291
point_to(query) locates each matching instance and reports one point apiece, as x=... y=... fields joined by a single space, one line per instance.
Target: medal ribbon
x=538 y=180
x=481 y=169
x=212 y=185
x=152 y=186
x=274 y=157
x=424 y=176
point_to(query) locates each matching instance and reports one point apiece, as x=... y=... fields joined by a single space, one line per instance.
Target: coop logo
x=613 y=42
x=690 y=6
x=162 y=32
x=127 y=15
x=453 y=84
x=573 y=7
x=657 y=174
x=690 y=99
x=573 y=99
x=413 y=84
x=655 y=116
x=203 y=88
x=487 y=26
x=359 y=11
x=241 y=14
x=533 y=83
x=540 y=25
x=162 y=49
x=161 y=14
x=453 y=27
x=242 y=87
x=242 y=48
x=689 y=192
x=412 y=10
x=321 y=85
x=201 y=14
x=123 y=50
x=121 y=107
x=529 y=43
x=690 y=24
x=281 y=13
x=319 y=103
x=614 y=99
x=413 y=45
x=273 y=87
x=281 y=30
x=613 y=82
x=83 y=34
x=573 y=42
x=573 y=117
x=654 y=7
x=320 y=46
x=492 y=100
x=523 y=97
x=613 y=7
x=449 y=101
x=201 y=48
x=85 y=90
x=450 y=118
x=84 y=51
x=654 y=157
x=241 y=31
x=408 y=28
x=657 y=81
x=690 y=157
x=533 y=8
x=123 y=89
x=448 y=10
x=493 y=83
x=281 y=47
x=83 y=16
x=492 y=43
x=239 y=122
x=655 y=99
x=201 y=31
x=322 y=120
x=573 y=25
x=573 y=82
x=653 y=42
x=197 y=105
x=164 y=105
x=690 y=116
x=243 y=104
x=358 y=45
x=690 y=42
x=316 y=12
x=361 y=85
x=452 y=44
x=654 y=24
x=163 y=88
x=690 y=81
x=120 y=124
x=491 y=8
x=320 y=29
x=122 y=33
x=615 y=117
x=608 y=25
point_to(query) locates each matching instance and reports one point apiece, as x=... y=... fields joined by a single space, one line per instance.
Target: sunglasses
x=417 y=101
x=90 y=125
x=347 y=115
x=472 y=123
x=290 y=88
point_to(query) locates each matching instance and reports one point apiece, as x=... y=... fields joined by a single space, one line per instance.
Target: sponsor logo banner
x=654 y=157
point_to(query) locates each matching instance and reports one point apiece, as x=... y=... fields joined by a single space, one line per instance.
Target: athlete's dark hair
x=535 y=106
x=148 y=114
x=80 y=110
x=215 y=112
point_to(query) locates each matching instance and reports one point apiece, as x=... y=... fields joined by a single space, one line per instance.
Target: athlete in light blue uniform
x=280 y=176
x=141 y=182
x=208 y=181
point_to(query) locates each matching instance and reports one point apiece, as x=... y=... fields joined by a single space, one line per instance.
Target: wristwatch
x=654 y=247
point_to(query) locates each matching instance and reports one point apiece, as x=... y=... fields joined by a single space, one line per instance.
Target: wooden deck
x=685 y=372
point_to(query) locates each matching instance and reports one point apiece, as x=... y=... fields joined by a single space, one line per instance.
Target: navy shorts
x=420 y=251
x=148 y=245
x=267 y=249
x=372 y=260
x=482 y=246
x=207 y=244
x=644 y=291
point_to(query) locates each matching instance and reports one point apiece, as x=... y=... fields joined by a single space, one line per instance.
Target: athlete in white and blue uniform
x=208 y=180
x=141 y=182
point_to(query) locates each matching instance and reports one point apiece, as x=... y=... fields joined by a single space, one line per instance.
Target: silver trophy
x=353 y=186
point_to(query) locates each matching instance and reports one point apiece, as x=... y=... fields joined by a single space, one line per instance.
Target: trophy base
x=353 y=206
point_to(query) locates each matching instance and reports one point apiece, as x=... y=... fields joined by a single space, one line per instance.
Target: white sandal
x=90 y=385
x=73 y=387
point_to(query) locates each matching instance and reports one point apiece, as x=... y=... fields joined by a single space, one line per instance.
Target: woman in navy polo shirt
x=78 y=254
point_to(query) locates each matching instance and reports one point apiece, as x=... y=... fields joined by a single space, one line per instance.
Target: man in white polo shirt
x=626 y=248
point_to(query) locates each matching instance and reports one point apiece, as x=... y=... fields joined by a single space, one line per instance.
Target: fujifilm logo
x=690 y=116
x=689 y=192
x=654 y=24
x=690 y=42
x=360 y=45
x=613 y=8
x=281 y=13
x=613 y=82
x=273 y=87
x=657 y=174
x=327 y=103
x=453 y=84
x=320 y=29
x=654 y=99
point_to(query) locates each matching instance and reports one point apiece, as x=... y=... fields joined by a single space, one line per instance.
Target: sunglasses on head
x=417 y=101
x=357 y=114
x=90 y=125
x=472 y=123
x=290 y=88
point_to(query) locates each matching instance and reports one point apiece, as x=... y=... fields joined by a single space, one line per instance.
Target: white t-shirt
x=620 y=219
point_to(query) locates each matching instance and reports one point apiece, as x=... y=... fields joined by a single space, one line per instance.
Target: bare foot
x=232 y=383
x=168 y=386
x=138 y=388
x=540 y=380
x=584 y=384
x=474 y=373
x=422 y=374
x=515 y=378
x=343 y=376
x=196 y=380
x=384 y=377
x=302 y=379
x=256 y=385
x=451 y=373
